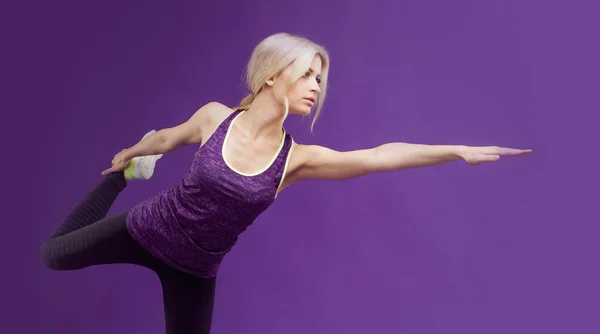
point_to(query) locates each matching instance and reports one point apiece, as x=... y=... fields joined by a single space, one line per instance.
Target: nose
x=315 y=87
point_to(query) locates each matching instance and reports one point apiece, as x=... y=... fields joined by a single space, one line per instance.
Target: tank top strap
x=223 y=127
x=287 y=145
x=282 y=160
x=227 y=121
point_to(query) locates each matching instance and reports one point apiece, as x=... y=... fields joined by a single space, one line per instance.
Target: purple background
x=509 y=247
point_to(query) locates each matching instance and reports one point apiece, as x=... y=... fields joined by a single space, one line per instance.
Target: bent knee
x=50 y=258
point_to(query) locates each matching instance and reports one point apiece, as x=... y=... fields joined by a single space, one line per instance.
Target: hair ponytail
x=246 y=102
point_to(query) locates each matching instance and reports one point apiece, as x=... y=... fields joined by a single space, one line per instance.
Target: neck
x=264 y=118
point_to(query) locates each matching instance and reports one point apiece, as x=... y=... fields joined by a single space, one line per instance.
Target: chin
x=303 y=111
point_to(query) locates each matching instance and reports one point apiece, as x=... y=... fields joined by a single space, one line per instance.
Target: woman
x=245 y=159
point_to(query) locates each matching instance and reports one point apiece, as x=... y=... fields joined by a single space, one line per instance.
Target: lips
x=311 y=99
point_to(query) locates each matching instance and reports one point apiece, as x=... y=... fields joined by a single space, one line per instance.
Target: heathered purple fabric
x=193 y=225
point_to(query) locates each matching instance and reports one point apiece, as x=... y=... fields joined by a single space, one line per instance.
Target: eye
x=308 y=73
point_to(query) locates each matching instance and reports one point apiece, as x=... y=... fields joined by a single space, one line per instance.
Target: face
x=303 y=95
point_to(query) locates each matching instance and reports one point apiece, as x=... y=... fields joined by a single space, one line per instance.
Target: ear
x=271 y=81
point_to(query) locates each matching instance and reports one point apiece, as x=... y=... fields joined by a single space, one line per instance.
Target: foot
x=142 y=168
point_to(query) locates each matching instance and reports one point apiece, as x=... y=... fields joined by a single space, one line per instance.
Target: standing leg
x=188 y=302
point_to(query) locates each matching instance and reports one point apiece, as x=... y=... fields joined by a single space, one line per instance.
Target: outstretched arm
x=318 y=162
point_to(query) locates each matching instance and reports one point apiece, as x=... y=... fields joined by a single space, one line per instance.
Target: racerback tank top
x=193 y=225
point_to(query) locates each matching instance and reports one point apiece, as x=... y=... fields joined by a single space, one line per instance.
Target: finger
x=521 y=152
x=510 y=151
x=107 y=171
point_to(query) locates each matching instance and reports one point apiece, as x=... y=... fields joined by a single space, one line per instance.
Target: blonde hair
x=273 y=55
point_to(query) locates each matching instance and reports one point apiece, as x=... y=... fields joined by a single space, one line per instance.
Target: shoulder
x=212 y=112
x=217 y=110
x=302 y=156
x=209 y=116
x=198 y=126
x=309 y=161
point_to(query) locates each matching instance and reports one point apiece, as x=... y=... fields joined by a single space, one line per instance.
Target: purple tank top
x=193 y=225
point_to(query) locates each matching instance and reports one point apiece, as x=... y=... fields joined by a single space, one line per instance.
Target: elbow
x=378 y=160
x=163 y=143
x=167 y=147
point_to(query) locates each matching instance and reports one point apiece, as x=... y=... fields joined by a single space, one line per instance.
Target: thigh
x=188 y=302
x=106 y=241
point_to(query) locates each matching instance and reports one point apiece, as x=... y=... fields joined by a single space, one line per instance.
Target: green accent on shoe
x=128 y=172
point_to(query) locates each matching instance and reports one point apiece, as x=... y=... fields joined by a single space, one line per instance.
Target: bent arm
x=318 y=162
x=169 y=139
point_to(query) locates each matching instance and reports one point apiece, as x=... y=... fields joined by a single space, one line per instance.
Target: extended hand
x=476 y=155
x=119 y=163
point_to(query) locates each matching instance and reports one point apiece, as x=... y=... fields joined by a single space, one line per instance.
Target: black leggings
x=86 y=237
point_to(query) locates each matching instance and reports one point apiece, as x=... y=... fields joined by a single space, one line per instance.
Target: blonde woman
x=244 y=160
